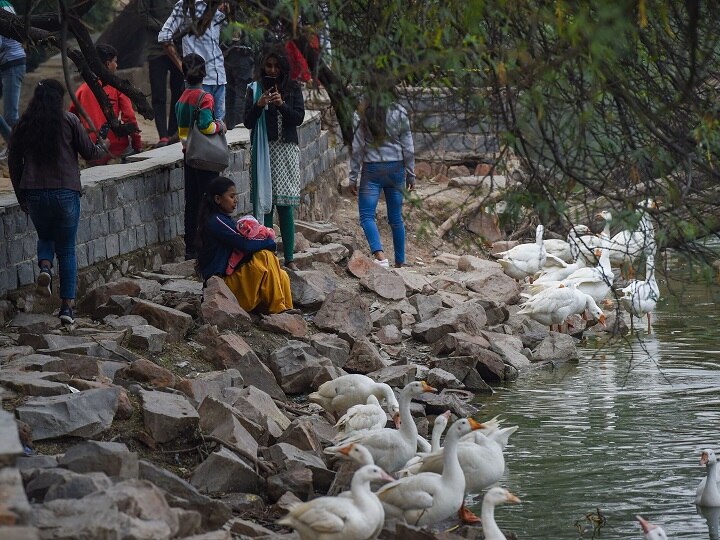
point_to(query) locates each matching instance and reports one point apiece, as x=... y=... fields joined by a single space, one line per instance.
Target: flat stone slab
x=183 y=286
x=314 y=231
x=83 y=414
x=35 y=323
x=34 y=383
x=10 y=446
x=174 y=322
x=168 y=416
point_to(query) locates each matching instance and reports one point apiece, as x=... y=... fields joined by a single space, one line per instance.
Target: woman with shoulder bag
x=274 y=109
x=195 y=99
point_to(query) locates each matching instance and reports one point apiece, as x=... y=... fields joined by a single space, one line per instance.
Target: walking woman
x=274 y=108
x=383 y=156
x=45 y=175
x=196 y=180
x=258 y=282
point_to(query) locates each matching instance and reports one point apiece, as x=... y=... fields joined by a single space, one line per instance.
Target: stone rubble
x=167 y=411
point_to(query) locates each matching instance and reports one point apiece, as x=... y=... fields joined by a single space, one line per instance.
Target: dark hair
x=193 y=67
x=373 y=114
x=278 y=52
x=217 y=186
x=105 y=52
x=38 y=133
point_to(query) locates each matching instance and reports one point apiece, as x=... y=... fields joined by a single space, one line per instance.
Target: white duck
x=338 y=395
x=552 y=306
x=652 y=531
x=626 y=246
x=639 y=298
x=391 y=448
x=559 y=272
x=427 y=498
x=708 y=492
x=359 y=417
x=493 y=497
x=358 y=517
x=441 y=422
x=358 y=453
x=581 y=241
x=526 y=259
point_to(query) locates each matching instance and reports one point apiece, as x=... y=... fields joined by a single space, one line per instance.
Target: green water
x=621 y=430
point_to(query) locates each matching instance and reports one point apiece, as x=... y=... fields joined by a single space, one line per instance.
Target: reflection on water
x=621 y=430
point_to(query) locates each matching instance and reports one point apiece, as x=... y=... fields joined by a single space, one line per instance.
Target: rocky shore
x=169 y=412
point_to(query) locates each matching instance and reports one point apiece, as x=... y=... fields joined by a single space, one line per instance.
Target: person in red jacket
x=122 y=107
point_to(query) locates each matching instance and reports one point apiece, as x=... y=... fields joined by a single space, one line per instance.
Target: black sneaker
x=66 y=315
x=43 y=285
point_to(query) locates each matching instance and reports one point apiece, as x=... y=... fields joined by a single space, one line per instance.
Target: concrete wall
x=132 y=206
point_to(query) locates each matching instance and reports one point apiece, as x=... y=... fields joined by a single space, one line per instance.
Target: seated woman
x=257 y=282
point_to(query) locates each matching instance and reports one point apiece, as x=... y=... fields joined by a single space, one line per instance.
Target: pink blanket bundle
x=250 y=228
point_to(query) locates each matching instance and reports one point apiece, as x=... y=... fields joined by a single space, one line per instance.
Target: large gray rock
x=211 y=383
x=459 y=366
x=135 y=507
x=488 y=279
x=389 y=335
x=345 y=313
x=328 y=253
x=222 y=422
x=34 y=323
x=414 y=281
x=233 y=352
x=468 y=317
x=112 y=458
x=426 y=306
x=397 y=376
x=288 y=457
x=459 y=344
x=224 y=472
x=285 y=323
x=84 y=414
x=295 y=366
x=365 y=358
x=220 y=307
x=10 y=446
x=168 y=416
x=124 y=322
x=34 y=383
x=147 y=338
x=309 y=288
x=50 y=484
x=185 y=495
x=183 y=287
x=439 y=378
x=489 y=365
x=301 y=434
x=315 y=231
x=102 y=293
x=331 y=346
x=15 y=507
x=258 y=406
x=174 y=322
x=384 y=283
x=556 y=347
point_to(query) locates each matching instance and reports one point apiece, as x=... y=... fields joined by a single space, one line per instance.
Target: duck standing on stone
x=338 y=395
x=526 y=259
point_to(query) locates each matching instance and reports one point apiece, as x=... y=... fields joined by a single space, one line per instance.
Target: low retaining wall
x=133 y=206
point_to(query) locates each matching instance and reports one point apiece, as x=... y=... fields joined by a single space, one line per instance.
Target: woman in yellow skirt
x=258 y=282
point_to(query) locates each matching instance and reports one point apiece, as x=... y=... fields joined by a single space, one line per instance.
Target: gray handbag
x=206 y=152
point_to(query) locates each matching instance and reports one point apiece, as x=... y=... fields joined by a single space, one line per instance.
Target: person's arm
x=165 y=36
x=225 y=233
x=206 y=123
x=358 y=148
x=82 y=143
x=128 y=117
x=408 y=147
x=293 y=110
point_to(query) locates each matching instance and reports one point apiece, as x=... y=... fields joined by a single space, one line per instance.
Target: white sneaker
x=384 y=263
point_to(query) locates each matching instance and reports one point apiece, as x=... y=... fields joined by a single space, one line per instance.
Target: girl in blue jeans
x=44 y=170
x=383 y=156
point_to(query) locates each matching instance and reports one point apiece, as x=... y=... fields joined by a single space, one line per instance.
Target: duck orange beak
x=474 y=424
x=346 y=449
x=704 y=458
x=602 y=319
x=511 y=498
x=427 y=388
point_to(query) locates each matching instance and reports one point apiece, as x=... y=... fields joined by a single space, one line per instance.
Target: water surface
x=621 y=430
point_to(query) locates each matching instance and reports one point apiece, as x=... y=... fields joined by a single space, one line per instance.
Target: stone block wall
x=137 y=205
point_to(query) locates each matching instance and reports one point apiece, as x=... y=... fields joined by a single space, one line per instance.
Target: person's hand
x=275 y=98
x=264 y=99
x=105 y=143
x=410 y=186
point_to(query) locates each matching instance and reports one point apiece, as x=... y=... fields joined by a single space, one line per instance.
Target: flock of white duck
x=431 y=481
x=576 y=276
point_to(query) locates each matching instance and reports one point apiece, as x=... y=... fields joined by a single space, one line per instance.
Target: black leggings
x=159 y=68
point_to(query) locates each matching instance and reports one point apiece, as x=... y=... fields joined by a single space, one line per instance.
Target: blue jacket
x=221 y=238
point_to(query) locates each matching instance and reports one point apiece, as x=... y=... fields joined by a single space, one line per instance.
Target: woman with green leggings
x=274 y=108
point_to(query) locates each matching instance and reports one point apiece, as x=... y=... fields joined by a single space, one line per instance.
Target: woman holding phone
x=274 y=108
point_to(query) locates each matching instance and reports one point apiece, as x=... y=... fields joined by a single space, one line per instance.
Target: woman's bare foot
x=292 y=266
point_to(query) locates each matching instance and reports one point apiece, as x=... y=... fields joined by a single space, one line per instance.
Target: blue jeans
x=12 y=79
x=389 y=177
x=55 y=214
x=218 y=94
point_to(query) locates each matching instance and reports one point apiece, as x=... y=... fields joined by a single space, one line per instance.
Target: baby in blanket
x=250 y=228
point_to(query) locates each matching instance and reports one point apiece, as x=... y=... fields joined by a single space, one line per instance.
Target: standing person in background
x=196 y=180
x=122 y=109
x=239 y=63
x=12 y=73
x=383 y=156
x=45 y=175
x=160 y=68
x=274 y=109
x=206 y=45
